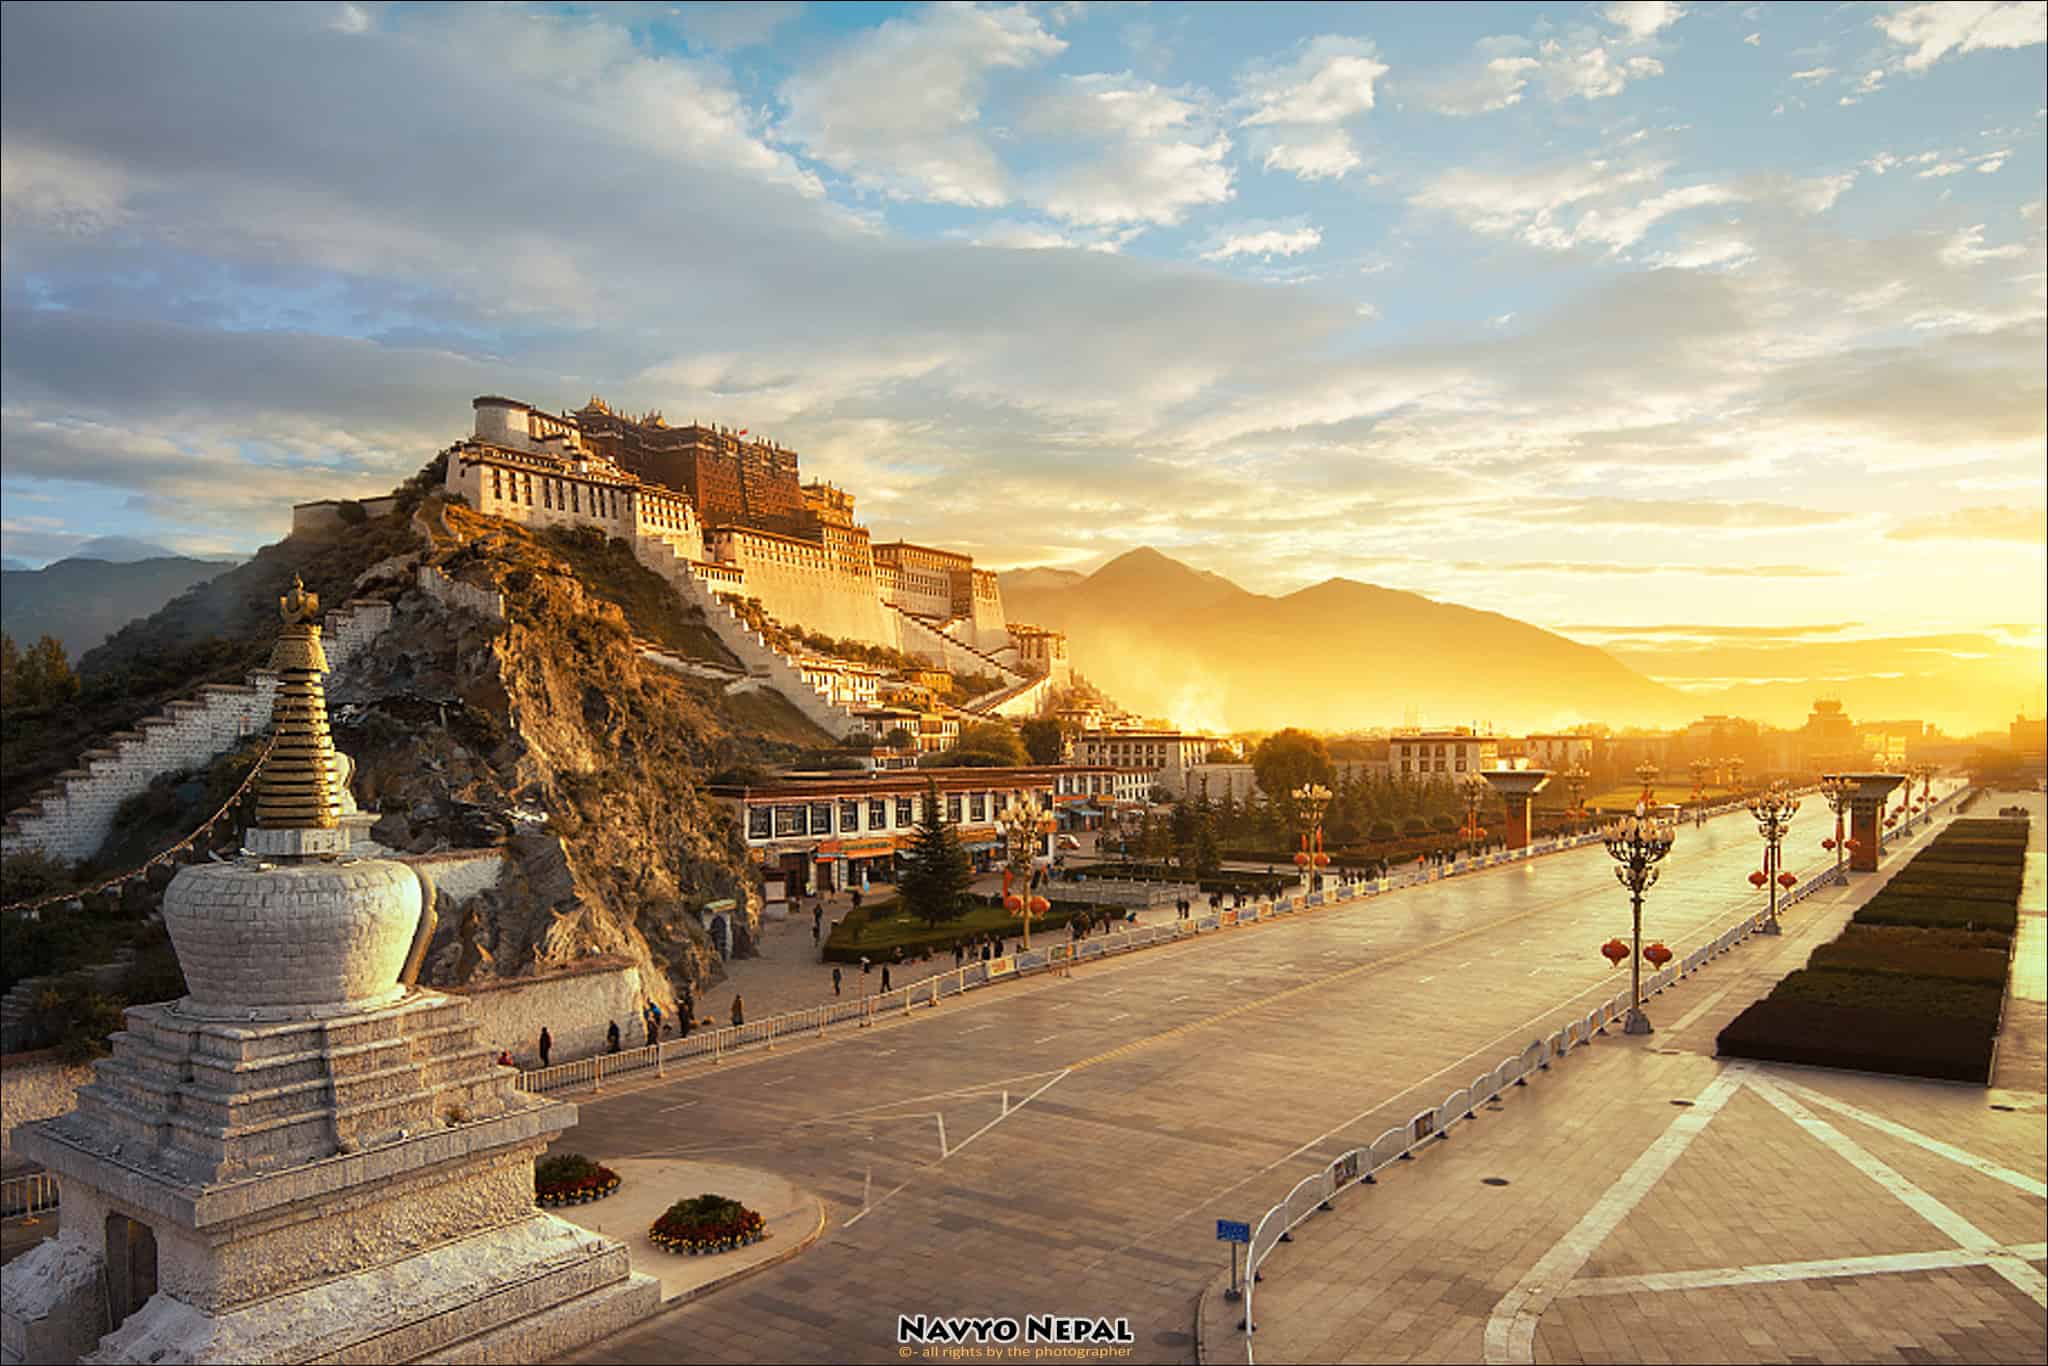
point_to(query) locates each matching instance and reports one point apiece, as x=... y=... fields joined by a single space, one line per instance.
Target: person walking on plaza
x=653 y=1031
x=885 y=976
x=864 y=965
x=739 y=1014
x=835 y=981
x=547 y=1044
x=611 y=1038
x=959 y=952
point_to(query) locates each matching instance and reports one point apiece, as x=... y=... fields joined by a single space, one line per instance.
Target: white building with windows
x=1440 y=755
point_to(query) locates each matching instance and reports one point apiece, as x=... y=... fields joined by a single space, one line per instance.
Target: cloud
x=1588 y=73
x=1643 y=19
x=1560 y=208
x=1311 y=154
x=898 y=108
x=1262 y=239
x=1754 y=40
x=1966 y=248
x=1130 y=151
x=735 y=24
x=1934 y=31
x=2027 y=525
x=1329 y=81
x=1814 y=73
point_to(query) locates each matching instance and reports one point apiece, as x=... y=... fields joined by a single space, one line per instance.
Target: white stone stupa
x=308 y=1158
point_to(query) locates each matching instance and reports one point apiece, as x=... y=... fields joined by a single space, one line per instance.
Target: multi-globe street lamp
x=1646 y=774
x=1473 y=790
x=1637 y=844
x=1575 y=779
x=1734 y=772
x=1836 y=791
x=1023 y=821
x=1773 y=808
x=1310 y=801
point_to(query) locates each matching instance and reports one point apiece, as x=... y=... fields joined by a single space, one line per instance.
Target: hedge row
x=1914 y=984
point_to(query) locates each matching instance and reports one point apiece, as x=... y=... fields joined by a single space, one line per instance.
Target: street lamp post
x=1773 y=808
x=1575 y=779
x=1836 y=793
x=1475 y=790
x=1646 y=774
x=1637 y=844
x=1735 y=775
x=1310 y=801
x=1022 y=821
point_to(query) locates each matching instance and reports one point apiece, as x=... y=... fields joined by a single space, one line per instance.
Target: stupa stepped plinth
x=308 y=1157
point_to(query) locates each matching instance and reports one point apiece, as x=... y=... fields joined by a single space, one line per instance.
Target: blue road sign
x=1231 y=1231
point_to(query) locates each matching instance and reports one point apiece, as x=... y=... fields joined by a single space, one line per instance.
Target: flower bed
x=571 y=1179
x=706 y=1225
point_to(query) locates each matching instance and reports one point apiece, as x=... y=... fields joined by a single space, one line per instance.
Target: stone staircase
x=18 y=1006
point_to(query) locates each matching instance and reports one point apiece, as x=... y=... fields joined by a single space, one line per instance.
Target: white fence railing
x=1361 y=1166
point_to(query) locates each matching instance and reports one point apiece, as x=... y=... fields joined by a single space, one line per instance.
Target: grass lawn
x=1619 y=798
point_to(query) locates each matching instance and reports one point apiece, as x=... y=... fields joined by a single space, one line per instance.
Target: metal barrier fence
x=591 y=1073
x=31 y=1194
x=1361 y=1166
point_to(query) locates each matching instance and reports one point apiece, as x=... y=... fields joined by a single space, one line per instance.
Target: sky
x=1605 y=316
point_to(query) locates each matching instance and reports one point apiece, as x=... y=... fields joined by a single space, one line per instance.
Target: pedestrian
x=864 y=965
x=885 y=976
x=547 y=1044
x=959 y=953
x=684 y=1026
x=817 y=929
x=611 y=1038
x=654 y=1009
x=835 y=981
x=899 y=954
x=505 y=1058
x=855 y=894
x=739 y=1014
x=653 y=1030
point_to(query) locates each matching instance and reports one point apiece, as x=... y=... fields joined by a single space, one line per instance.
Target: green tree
x=1208 y=853
x=1287 y=759
x=1182 y=833
x=1044 y=740
x=1219 y=755
x=936 y=872
x=43 y=676
x=990 y=738
x=1227 y=817
x=10 y=670
x=899 y=739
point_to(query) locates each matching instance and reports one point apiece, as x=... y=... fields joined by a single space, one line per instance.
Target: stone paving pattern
x=1148 y=1096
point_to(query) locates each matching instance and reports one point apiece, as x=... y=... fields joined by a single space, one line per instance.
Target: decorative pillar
x=1866 y=816
x=1517 y=787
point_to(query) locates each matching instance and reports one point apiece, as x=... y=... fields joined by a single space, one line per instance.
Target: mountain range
x=1165 y=639
x=83 y=601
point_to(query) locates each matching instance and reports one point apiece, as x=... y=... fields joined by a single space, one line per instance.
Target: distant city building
x=1428 y=755
x=1166 y=754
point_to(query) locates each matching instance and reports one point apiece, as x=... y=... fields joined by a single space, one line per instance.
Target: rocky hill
x=1167 y=639
x=546 y=733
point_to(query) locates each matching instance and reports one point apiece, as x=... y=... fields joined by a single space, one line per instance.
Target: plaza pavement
x=1654 y=1204
x=1065 y=1145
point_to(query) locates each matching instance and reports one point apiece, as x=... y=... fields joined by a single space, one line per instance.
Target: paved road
x=1065 y=1145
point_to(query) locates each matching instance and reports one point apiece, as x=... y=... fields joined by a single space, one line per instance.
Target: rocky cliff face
x=548 y=735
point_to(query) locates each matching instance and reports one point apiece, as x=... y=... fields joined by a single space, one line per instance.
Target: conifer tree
x=936 y=872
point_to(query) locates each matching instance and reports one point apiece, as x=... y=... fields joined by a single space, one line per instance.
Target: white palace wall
x=797 y=585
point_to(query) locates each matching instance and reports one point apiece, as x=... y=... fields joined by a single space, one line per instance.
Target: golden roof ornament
x=299 y=788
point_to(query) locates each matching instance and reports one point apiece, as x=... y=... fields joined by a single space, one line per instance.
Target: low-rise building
x=1166 y=754
x=811 y=833
x=1440 y=755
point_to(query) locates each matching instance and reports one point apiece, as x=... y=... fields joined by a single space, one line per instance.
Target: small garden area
x=878 y=929
x=571 y=1179
x=1915 y=984
x=706 y=1225
x=1227 y=881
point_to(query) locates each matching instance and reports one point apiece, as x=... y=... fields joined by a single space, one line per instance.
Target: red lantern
x=1828 y=843
x=1657 y=955
x=1786 y=880
x=1322 y=860
x=1301 y=859
x=1852 y=845
x=1615 y=951
x=1757 y=879
x=1039 y=905
x=1013 y=903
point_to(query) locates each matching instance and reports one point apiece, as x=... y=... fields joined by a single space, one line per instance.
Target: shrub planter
x=706 y=1226
x=571 y=1179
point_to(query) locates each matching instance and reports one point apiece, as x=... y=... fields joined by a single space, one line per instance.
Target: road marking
x=1182 y=997
x=1047 y=1039
x=1468 y=962
x=1430 y=978
x=1796 y=1271
x=679 y=1105
x=977 y=1029
x=1933 y=1145
x=778 y=1081
x=1511 y=1331
x=1114 y=1018
x=943 y=1153
x=868 y=1207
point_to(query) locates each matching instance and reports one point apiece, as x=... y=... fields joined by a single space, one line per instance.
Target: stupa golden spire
x=297 y=788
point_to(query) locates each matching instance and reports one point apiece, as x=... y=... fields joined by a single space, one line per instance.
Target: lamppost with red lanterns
x=1646 y=774
x=1023 y=823
x=1773 y=808
x=1474 y=792
x=1575 y=779
x=1310 y=801
x=1836 y=792
x=1637 y=844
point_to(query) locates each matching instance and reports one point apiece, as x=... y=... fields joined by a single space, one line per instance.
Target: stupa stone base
x=539 y=1288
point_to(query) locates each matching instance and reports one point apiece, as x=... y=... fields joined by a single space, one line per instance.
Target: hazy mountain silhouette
x=83 y=601
x=1163 y=638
